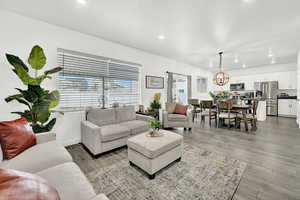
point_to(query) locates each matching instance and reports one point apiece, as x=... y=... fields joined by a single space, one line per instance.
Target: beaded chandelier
x=221 y=78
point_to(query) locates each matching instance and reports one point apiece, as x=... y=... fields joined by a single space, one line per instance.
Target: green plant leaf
x=22 y=101
x=26 y=114
x=51 y=124
x=27 y=79
x=53 y=71
x=37 y=90
x=41 y=110
x=19 y=98
x=28 y=95
x=54 y=99
x=37 y=58
x=16 y=61
x=38 y=128
x=13 y=97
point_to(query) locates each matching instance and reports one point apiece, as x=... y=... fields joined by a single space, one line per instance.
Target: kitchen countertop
x=287 y=97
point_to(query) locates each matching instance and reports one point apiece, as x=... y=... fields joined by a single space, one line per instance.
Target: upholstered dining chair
x=249 y=118
x=225 y=113
x=196 y=107
x=206 y=108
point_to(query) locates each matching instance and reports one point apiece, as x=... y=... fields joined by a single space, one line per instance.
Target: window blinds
x=94 y=81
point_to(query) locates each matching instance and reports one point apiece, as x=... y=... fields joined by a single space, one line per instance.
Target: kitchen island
x=261 y=112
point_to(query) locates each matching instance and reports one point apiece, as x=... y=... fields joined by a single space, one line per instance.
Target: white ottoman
x=154 y=153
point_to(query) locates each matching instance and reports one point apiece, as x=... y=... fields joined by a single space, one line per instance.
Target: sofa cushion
x=101 y=117
x=181 y=109
x=113 y=132
x=170 y=107
x=177 y=117
x=39 y=157
x=16 y=185
x=16 y=136
x=69 y=181
x=136 y=126
x=153 y=147
x=126 y=113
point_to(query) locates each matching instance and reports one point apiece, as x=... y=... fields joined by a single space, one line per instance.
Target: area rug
x=201 y=175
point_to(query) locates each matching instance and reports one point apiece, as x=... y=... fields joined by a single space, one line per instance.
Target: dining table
x=243 y=108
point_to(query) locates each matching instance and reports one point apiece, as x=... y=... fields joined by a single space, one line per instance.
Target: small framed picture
x=154 y=82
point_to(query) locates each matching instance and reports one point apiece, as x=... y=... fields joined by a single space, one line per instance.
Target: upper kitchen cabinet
x=289 y=81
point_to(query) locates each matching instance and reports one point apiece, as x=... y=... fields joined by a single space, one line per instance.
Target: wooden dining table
x=243 y=109
x=235 y=107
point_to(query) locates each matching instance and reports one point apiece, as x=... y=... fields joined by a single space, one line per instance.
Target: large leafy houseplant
x=39 y=101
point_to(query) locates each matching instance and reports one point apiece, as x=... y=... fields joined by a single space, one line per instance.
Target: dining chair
x=249 y=118
x=206 y=110
x=196 y=107
x=225 y=113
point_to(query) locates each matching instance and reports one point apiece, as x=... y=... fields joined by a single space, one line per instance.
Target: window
x=201 y=84
x=94 y=81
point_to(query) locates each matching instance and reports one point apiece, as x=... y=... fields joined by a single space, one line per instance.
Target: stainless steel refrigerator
x=269 y=94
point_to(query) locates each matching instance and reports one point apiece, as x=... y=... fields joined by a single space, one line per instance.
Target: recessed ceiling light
x=244 y=65
x=270 y=54
x=82 y=2
x=236 y=60
x=273 y=61
x=161 y=37
x=248 y=1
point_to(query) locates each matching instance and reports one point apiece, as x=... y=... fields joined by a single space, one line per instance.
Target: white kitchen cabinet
x=293 y=103
x=287 y=107
x=288 y=82
x=283 y=107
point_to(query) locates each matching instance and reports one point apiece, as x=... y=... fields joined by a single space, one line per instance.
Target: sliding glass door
x=180 y=89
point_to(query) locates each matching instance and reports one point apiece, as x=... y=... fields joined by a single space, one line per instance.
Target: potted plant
x=155 y=105
x=221 y=96
x=155 y=126
x=39 y=102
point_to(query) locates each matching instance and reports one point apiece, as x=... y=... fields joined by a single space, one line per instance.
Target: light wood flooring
x=272 y=154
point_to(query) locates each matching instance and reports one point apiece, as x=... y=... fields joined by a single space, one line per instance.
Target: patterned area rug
x=200 y=174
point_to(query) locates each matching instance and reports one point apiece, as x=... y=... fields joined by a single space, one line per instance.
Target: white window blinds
x=94 y=81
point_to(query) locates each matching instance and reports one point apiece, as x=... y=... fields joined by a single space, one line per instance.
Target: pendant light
x=221 y=78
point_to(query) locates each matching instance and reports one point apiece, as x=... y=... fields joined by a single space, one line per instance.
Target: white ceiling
x=194 y=30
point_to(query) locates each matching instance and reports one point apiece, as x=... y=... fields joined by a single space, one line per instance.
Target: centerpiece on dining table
x=221 y=96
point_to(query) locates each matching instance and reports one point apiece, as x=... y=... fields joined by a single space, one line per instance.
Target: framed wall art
x=154 y=82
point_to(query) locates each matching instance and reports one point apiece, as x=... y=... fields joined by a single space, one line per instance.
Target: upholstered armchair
x=173 y=120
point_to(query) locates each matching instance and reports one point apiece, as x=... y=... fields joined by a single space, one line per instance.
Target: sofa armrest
x=45 y=137
x=144 y=117
x=100 y=197
x=165 y=117
x=90 y=136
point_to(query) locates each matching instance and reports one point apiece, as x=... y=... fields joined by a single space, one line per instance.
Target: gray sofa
x=172 y=120
x=50 y=160
x=107 y=129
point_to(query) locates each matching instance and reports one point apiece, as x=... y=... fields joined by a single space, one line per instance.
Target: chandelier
x=221 y=78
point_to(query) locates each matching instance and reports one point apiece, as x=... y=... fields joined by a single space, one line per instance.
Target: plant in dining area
x=39 y=101
x=221 y=95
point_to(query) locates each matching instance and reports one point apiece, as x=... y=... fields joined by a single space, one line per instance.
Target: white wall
x=298 y=91
x=19 y=34
x=285 y=74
